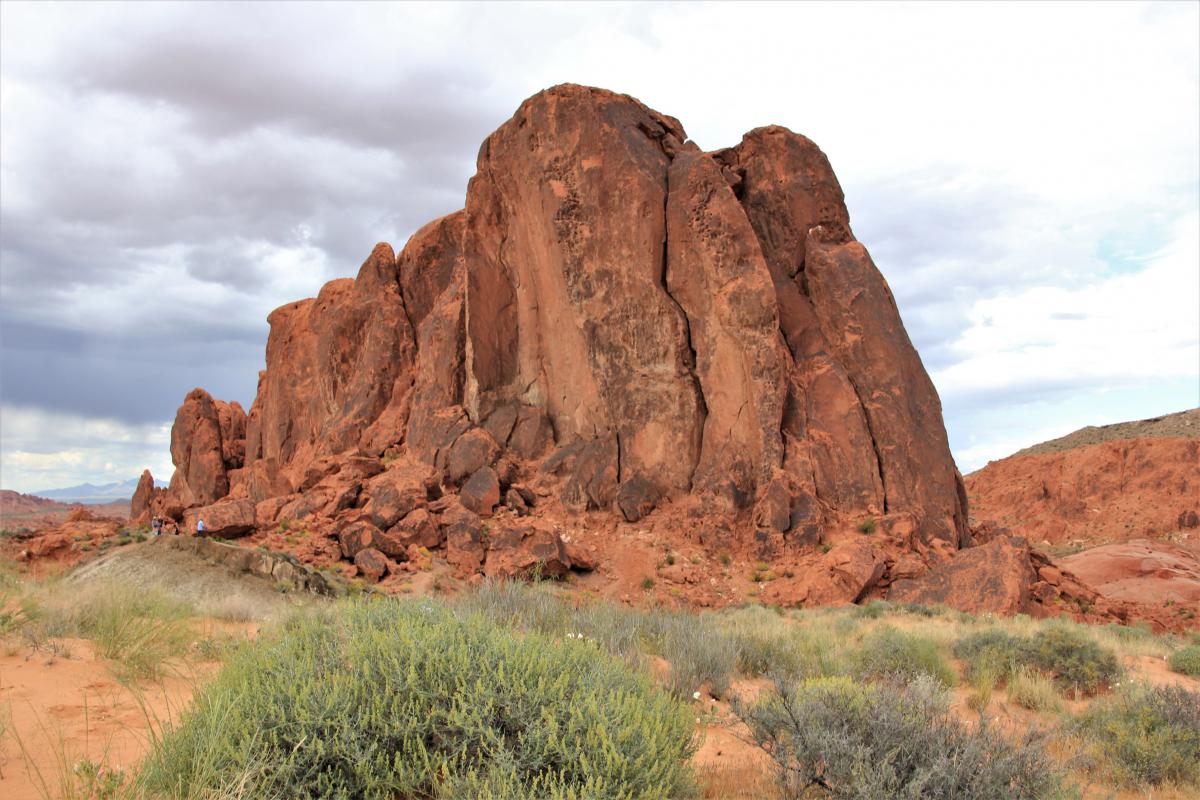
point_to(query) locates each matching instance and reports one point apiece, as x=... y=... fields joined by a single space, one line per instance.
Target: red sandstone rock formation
x=616 y=321
x=1104 y=492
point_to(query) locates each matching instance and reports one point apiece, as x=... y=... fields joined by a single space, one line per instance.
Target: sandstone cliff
x=615 y=322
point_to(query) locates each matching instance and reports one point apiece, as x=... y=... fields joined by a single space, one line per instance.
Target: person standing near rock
x=199 y=527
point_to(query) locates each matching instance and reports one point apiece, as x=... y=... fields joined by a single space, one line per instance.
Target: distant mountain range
x=92 y=494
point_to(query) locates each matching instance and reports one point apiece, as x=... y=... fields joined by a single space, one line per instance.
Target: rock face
x=617 y=316
x=994 y=577
x=1114 y=490
x=1139 y=571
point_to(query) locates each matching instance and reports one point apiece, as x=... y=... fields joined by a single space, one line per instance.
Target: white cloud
x=41 y=450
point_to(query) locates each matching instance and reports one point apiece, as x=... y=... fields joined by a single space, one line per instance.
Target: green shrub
x=404 y=699
x=832 y=738
x=519 y=605
x=873 y=609
x=990 y=651
x=867 y=525
x=1072 y=658
x=766 y=652
x=1186 y=661
x=1147 y=735
x=887 y=652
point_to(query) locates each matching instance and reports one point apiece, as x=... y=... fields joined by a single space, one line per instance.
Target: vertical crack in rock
x=871 y=433
x=690 y=364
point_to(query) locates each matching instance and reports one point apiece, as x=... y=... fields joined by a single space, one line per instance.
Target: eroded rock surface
x=616 y=323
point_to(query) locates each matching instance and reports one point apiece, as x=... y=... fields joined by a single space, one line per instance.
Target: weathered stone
x=593 y=481
x=481 y=493
x=519 y=552
x=637 y=497
x=473 y=450
x=417 y=528
x=143 y=495
x=358 y=536
x=995 y=577
x=371 y=563
x=226 y=519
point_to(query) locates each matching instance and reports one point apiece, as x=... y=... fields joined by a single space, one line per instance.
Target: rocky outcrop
x=1139 y=571
x=616 y=318
x=997 y=577
x=143 y=498
x=1102 y=492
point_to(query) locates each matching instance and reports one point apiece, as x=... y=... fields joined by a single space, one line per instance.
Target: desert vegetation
x=517 y=690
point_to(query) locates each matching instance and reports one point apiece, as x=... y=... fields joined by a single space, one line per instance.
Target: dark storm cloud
x=214 y=146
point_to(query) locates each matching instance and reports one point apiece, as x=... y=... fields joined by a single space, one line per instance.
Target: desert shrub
x=833 y=738
x=1072 y=658
x=766 y=652
x=991 y=652
x=1186 y=660
x=888 y=652
x=1146 y=735
x=1032 y=690
x=406 y=699
x=140 y=629
x=617 y=630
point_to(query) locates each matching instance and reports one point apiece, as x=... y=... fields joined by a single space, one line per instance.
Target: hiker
x=156 y=526
x=199 y=527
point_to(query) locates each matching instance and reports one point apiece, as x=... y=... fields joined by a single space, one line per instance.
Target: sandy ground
x=68 y=708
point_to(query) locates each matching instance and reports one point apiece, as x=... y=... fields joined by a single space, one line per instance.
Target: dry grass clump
x=1034 y=691
x=1186 y=661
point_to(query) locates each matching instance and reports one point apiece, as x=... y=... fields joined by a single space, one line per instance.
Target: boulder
x=471 y=452
x=358 y=536
x=637 y=497
x=994 y=577
x=466 y=540
x=417 y=528
x=371 y=563
x=481 y=493
x=522 y=551
x=226 y=519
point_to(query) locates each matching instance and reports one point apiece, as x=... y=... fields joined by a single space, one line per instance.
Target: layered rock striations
x=616 y=321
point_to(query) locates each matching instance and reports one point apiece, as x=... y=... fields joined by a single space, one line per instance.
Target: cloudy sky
x=1027 y=176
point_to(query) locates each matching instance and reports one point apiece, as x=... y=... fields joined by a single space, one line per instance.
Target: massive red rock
x=619 y=320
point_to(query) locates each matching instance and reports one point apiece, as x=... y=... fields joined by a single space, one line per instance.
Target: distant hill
x=1181 y=425
x=92 y=494
x=1100 y=484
